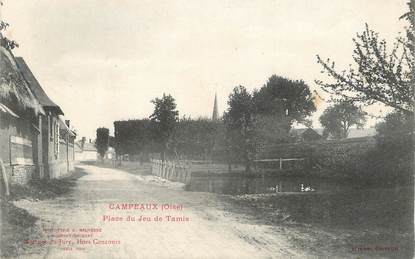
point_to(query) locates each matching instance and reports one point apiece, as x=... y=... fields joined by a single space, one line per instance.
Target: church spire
x=215 y=114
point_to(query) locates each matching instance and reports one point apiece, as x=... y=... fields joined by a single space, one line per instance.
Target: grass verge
x=17 y=225
x=369 y=223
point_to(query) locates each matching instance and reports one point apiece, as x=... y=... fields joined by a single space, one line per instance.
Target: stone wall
x=71 y=157
x=19 y=174
x=58 y=169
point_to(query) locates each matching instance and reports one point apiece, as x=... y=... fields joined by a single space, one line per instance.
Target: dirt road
x=98 y=198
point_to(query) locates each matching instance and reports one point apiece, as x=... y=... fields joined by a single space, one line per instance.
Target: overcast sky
x=104 y=60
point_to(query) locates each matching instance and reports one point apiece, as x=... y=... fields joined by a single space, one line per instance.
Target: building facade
x=56 y=138
x=85 y=151
x=34 y=140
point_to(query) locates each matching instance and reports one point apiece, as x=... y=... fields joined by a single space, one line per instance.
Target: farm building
x=34 y=140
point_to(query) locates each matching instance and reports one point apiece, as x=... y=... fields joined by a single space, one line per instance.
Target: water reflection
x=249 y=185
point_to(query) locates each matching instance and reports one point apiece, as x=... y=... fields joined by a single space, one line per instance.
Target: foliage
x=271 y=130
x=288 y=100
x=395 y=123
x=391 y=161
x=410 y=31
x=196 y=139
x=239 y=123
x=266 y=116
x=164 y=117
x=339 y=117
x=4 y=41
x=191 y=139
x=102 y=141
x=379 y=75
x=134 y=137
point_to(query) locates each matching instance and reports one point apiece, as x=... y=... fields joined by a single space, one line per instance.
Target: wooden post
x=4 y=176
x=280 y=163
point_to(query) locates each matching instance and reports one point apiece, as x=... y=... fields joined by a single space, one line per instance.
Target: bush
x=391 y=161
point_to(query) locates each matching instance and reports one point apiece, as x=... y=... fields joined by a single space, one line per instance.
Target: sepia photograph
x=207 y=129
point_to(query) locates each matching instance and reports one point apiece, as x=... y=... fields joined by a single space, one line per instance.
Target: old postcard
x=207 y=129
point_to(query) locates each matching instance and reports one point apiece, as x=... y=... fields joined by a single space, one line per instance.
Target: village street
x=211 y=231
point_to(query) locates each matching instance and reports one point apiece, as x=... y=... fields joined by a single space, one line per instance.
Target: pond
x=249 y=185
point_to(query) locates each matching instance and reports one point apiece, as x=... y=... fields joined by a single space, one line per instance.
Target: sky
x=105 y=60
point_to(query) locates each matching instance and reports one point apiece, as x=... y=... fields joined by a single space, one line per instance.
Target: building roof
x=5 y=109
x=77 y=146
x=65 y=127
x=307 y=134
x=353 y=132
x=86 y=146
x=299 y=132
x=360 y=133
x=15 y=93
x=36 y=88
x=310 y=134
x=89 y=147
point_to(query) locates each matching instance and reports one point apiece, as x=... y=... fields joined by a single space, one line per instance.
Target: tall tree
x=285 y=99
x=396 y=123
x=378 y=75
x=135 y=137
x=102 y=141
x=338 y=118
x=239 y=122
x=195 y=139
x=164 y=117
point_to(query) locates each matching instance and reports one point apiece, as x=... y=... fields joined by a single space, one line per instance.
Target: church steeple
x=215 y=114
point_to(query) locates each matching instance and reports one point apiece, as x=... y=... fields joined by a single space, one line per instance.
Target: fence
x=178 y=171
x=289 y=163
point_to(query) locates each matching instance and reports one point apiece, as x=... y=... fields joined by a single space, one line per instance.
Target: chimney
x=68 y=123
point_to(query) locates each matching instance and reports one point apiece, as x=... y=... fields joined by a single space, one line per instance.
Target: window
x=51 y=128
x=56 y=139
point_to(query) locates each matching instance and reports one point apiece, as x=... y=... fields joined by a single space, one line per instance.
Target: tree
x=391 y=161
x=338 y=118
x=164 y=117
x=239 y=123
x=135 y=137
x=195 y=139
x=285 y=99
x=379 y=75
x=102 y=141
x=395 y=123
x=271 y=130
